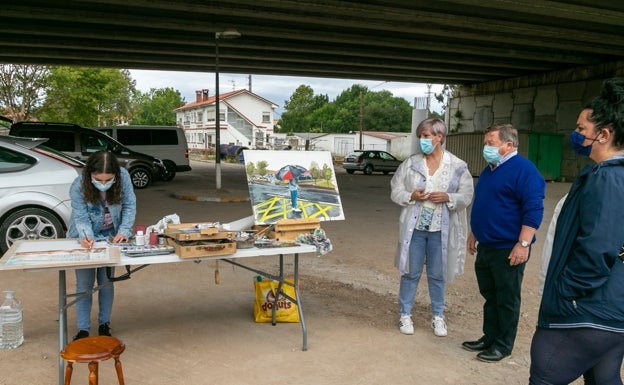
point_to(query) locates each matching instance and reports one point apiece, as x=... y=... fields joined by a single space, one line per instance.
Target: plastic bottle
x=11 y=322
x=139 y=239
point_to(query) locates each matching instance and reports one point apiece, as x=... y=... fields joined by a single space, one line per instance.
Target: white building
x=396 y=143
x=246 y=120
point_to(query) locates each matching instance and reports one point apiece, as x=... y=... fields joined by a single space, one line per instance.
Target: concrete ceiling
x=454 y=41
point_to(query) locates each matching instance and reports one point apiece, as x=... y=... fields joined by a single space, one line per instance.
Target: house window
x=266 y=117
x=200 y=117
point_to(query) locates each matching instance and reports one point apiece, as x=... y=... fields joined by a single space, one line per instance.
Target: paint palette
x=145 y=250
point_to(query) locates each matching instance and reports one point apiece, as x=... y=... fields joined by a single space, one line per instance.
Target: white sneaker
x=406 y=326
x=439 y=326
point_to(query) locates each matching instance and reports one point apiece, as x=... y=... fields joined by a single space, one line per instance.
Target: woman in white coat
x=434 y=188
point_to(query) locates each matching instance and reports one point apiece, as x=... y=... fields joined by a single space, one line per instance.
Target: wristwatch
x=524 y=243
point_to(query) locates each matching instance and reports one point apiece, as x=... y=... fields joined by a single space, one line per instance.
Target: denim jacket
x=88 y=217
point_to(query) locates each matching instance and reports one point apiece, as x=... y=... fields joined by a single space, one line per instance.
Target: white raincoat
x=411 y=175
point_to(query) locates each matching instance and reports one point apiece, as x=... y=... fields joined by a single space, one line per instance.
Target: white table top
x=240 y=253
x=56 y=254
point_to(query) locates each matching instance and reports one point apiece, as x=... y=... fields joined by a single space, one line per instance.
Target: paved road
x=182 y=328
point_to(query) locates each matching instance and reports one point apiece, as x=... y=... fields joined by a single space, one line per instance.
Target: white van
x=167 y=143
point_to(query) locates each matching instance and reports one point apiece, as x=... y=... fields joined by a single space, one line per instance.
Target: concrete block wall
x=542 y=103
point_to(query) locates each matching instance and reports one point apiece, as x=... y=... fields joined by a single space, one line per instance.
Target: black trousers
x=560 y=356
x=500 y=285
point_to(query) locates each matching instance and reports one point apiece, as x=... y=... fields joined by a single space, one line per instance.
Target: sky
x=276 y=89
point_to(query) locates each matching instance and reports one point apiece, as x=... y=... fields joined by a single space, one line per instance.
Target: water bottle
x=11 y=322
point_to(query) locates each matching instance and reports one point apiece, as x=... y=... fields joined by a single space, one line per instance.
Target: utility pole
x=361 y=119
x=429 y=100
x=362 y=113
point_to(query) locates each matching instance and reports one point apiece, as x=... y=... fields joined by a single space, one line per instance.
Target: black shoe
x=476 y=346
x=81 y=334
x=491 y=355
x=104 y=330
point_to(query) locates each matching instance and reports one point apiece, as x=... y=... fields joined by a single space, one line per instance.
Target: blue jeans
x=425 y=248
x=85 y=279
x=293 y=197
x=560 y=356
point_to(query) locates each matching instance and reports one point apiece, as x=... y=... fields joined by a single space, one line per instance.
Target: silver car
x=369 y=161
x=34 y=190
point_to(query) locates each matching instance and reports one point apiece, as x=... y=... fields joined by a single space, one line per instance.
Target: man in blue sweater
x=506 y=212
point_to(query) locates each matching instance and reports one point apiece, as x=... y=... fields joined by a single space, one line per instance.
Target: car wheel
x=368 y=170
x=140 y=177
x=29 y=223
x=170 y=171
x=350 y=171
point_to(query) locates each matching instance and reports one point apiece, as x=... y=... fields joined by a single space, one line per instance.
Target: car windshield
x=60 y=156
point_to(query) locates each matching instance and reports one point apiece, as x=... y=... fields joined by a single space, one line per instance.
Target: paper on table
x=240 y=224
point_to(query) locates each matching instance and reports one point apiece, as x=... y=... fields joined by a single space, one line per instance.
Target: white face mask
x=103 y=186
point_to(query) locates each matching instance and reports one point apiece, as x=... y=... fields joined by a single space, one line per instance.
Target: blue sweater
x=507 y=198
x=585 y=280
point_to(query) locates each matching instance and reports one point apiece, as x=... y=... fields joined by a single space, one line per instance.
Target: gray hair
x=435 y=125
x=506 y=133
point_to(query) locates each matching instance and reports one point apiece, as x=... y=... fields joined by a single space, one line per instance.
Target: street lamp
x=227 y=34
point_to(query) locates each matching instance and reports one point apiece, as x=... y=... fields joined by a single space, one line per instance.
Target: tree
x=299 y=109
x=446 y=94
x=156 y=107
x=384 y=112
x=22 y=88
x=88 y=96
x=381 y=111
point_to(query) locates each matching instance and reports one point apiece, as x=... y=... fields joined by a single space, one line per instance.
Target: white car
x=34 y=190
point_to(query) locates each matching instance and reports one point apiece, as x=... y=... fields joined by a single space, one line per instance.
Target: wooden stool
x=92 y=350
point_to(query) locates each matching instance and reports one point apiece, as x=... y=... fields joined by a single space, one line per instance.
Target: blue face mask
x=426 y=146
x=491 y=155
x=103 y=186
x=577 y=139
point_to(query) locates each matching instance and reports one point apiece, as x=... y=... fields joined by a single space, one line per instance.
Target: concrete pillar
x=419 y=113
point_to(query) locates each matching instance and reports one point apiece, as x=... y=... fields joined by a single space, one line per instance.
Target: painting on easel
x=292 y=185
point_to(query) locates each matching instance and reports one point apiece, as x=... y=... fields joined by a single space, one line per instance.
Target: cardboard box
x=196 y=249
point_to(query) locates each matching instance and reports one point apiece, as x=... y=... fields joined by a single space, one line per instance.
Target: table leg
x=304 y=330
x=62 y=322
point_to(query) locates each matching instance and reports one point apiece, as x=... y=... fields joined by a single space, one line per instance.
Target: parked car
x=164 y=142
x=81 y=142
x=369 y=161
x=34 y=193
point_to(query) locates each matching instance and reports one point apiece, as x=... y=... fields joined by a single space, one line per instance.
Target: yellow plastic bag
x=287 y=311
